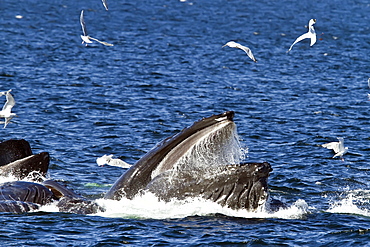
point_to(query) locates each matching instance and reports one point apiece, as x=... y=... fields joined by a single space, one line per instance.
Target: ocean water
x=166 y=70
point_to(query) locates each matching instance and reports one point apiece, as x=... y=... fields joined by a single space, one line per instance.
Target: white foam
x=296 y=211
x=352 y=203
x=51 y=208
x=9 y=178
x=149 y=207
x=33 y=176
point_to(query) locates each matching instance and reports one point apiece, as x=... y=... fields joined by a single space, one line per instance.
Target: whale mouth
x=203 y=160
x=166 y=154
x=214 y=145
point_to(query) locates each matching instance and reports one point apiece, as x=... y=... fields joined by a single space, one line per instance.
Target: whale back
x=12 y=150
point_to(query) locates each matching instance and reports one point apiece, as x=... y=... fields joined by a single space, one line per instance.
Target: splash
x=31 y=177
x=148 y=206
x=297 y=210
x=8 y=178
x=50 y=208
x=354 y=202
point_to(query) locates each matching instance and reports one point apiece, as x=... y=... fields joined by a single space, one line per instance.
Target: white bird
x=368 y=82
x=107 y=159
x=233 y=44
x=311 y=34
x=105 y=4
x=86 y=38
x=338 y=147
x=7 y=108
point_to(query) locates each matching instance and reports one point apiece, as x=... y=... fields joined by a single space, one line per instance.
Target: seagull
x=311 y=34
x=107 y=159
x=368 y=83
x=7 y=108
x=105 y=4
x=233 y=44
x=86 y=38
x=338 y=147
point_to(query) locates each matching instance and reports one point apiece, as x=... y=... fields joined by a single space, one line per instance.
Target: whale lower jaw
x=241 y=186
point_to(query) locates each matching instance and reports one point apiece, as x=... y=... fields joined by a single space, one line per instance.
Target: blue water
x=166 y=70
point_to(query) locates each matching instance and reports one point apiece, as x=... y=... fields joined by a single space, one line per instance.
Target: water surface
x=166 y=70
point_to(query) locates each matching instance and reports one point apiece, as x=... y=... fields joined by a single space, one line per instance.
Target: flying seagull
x=107 y=159
x=233 y=44
x=338 y=147
x=105 y=4
x=7 y=108
x=86 y=38
x=311 y=34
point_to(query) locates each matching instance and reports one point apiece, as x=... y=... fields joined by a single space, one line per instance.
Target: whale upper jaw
x=158 y=159
x=161 y=171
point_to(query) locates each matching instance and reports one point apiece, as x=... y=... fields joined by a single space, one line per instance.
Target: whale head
x=203 y=160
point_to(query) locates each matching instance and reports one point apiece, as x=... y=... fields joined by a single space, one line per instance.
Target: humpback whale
x=203 y=160
x=12 y=150
x=16 y=159
x=22 y=196
x=194 y=163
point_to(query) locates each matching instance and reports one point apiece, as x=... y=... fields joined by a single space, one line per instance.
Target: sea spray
x=353 y=202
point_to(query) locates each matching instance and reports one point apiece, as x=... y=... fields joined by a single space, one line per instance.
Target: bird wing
x=233 y=44
x=341 y=153
x=341 y=145
x=119 y=163
x=82 y=22
x=300 y=38
x=313 y=38
x=10 y=102
x=332 y=145
x=248 y=51
x=101 y=42
x=7 y=121
x=105 y=4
